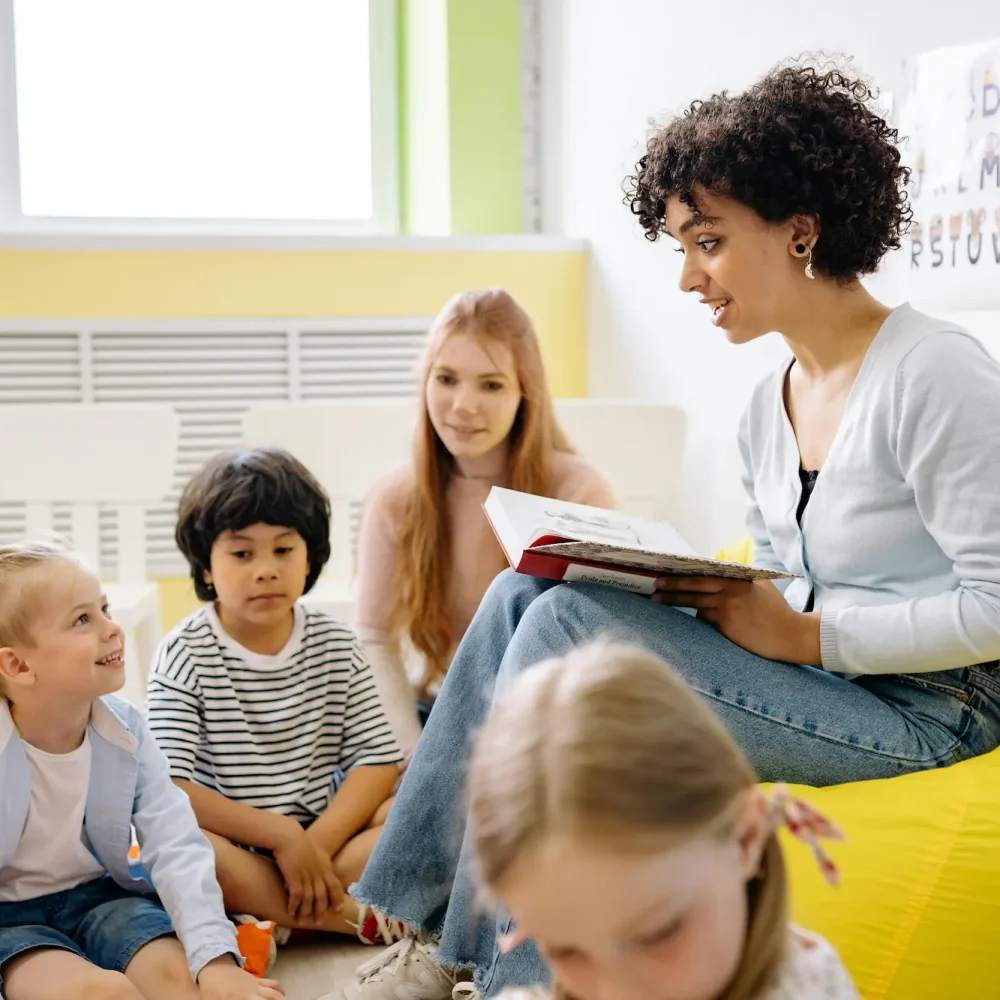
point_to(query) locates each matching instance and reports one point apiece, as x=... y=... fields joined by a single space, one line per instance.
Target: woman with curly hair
x=872 y=465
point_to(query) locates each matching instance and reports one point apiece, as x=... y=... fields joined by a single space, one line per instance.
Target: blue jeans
x=796 y=724
x=98 y=921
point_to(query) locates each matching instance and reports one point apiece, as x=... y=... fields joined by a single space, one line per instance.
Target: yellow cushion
x=741 y=552
x=917 y=913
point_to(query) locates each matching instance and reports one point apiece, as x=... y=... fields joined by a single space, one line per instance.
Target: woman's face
x=473 y=395
x=741 y=266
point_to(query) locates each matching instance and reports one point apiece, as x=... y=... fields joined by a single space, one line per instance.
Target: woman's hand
x=754 y=615
x=313 y=888
x=223 y=979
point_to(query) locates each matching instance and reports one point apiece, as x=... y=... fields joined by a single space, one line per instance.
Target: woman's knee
x=549 y=627
x=591 y=610
x=508 y=598
x=508 y=586
x=572 y=614
x=565 y=612
x=513 y=596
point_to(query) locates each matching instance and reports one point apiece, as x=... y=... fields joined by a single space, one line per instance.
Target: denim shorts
x=98 y=921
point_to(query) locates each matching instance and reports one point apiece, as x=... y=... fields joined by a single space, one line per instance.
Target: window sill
x=276 y=241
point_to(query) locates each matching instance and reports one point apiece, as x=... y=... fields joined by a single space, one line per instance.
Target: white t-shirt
x=51 y=856
x=814 y=971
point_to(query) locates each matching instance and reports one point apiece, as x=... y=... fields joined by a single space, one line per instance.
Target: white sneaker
x=408 y=970
x=466 y=991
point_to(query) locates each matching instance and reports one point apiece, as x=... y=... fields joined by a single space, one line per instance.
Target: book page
x=534 y=517
x=661 y=563
x=608 y=527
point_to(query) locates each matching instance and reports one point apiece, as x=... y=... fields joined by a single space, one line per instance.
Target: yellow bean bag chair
x=918 y=912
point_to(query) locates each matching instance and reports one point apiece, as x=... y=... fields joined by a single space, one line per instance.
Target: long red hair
x=420 y=597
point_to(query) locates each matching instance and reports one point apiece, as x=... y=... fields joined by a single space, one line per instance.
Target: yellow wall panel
x=552 y=286
x=177 y=600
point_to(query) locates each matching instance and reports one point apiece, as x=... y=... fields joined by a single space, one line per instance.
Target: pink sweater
x=476 y=560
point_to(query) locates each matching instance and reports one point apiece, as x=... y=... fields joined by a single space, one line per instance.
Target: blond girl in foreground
x=617 y=821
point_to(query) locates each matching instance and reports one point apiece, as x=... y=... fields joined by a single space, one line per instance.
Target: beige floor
x=311 y=971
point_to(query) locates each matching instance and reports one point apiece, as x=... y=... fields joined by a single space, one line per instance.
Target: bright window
x=199 y=110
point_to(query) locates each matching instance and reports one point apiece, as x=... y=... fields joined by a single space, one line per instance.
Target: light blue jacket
x=900 y=542
x=130 y=786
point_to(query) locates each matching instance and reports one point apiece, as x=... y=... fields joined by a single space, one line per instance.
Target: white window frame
x=385 y=160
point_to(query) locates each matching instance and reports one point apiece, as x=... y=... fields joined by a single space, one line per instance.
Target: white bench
x=90 y=455
x=350 y=444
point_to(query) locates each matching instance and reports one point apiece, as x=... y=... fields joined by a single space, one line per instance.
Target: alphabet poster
x=950 y=117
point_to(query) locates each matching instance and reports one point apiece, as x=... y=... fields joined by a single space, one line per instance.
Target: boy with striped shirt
x=266 y=710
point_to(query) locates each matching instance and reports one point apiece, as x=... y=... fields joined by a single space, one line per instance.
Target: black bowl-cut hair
x=236 y=489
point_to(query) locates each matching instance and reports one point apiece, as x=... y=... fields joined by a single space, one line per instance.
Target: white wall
x=607 y=69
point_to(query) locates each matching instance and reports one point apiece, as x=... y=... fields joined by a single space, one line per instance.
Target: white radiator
x=210 y=371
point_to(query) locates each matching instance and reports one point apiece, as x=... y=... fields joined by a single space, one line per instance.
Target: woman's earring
x=801 y=250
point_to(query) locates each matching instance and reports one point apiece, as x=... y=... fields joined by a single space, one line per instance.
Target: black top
x=808 y=479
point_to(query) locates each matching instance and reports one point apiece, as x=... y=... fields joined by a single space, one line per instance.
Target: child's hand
x=313 y=888
x=223 y=979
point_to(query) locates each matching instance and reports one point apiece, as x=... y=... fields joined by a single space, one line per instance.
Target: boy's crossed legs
x=252 y=882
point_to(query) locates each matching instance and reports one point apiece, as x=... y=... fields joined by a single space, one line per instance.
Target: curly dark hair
x=802 y=141
x=235 y=489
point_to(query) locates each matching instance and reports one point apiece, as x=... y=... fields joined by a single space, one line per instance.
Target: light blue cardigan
x=130 y=784
x=901 y=538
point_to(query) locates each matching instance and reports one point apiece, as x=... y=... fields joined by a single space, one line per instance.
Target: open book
x=570 y=541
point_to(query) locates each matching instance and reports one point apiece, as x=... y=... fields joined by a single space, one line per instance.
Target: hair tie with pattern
x=808 y=825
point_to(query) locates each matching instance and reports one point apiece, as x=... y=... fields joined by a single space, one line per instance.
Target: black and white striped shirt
x=273 y=732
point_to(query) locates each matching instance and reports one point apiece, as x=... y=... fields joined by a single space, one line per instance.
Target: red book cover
x=558 y=540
